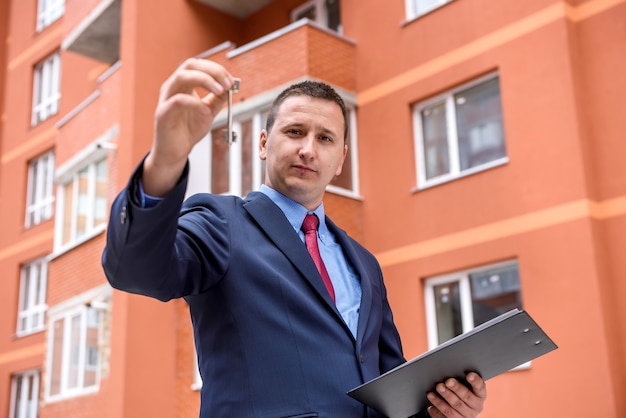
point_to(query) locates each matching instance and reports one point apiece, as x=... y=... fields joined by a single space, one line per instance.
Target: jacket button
x=123 y=215
x=362 y=358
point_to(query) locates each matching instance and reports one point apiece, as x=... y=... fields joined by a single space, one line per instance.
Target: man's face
x=305 y=149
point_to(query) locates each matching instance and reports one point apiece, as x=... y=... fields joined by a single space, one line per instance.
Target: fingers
x=455 y=400
x=196 y=73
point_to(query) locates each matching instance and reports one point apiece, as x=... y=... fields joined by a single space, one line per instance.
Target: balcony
x=301 y=50
x=98 y=35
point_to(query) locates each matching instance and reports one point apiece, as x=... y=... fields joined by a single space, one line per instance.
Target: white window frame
x=417 y=8
x=35 y=294
x=467 y=316
x=453 y=141
x=48 y=12
x=29 y=396
x=40 y=189
x=46 y=88
x=92 y=228
x=201 y=156
x=85 y=305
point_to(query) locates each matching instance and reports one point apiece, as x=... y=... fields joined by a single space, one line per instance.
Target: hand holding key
x=183 y=118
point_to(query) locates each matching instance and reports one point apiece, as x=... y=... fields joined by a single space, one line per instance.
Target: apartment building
x=484 y=171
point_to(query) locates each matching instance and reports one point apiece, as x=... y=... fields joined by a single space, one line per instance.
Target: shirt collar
x=294 y=211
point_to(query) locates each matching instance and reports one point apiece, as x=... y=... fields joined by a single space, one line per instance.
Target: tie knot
x=310 y=223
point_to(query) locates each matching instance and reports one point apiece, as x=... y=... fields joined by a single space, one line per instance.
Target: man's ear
x=263 y=145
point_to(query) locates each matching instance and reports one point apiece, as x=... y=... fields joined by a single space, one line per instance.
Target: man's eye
x=326 y=138
x=294 y=132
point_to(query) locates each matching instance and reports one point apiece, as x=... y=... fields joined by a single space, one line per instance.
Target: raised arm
x=188 y=102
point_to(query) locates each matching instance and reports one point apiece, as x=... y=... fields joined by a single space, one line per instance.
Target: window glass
x=448 y=306
x=46 y=88
x=479 y=124
x=419 y=7
x=74 y=351
x=494 y=292
x=460 y=132
x=25 y=395
x=84 y=202
x=333 y=15
x=100 y=205
x=460 y=301
x=32 y=299
x=40 y=199
x=436 y=151
x=48 y=11
x=58 y=334
x=68 y=204
x=323 y=12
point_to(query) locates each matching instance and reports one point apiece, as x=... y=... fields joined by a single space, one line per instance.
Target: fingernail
x=218 y=88
x=430 y=396
x=450 y=383
x=471 y=377
x=441 y=388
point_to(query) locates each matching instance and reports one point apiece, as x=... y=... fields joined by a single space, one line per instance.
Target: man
x=273 y=339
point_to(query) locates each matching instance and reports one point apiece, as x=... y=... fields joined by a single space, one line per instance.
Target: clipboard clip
x=229 y=135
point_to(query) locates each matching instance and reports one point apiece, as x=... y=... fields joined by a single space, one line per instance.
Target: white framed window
x=25 y=395
x=326 y=13
x=416 y=8
x=459 y=132
x=40 y=193
x=82 y=204
x=458 y=302
x=32 y=300
x=49 y=11
x=74 y=347
x=238 y=170
x=46 y=88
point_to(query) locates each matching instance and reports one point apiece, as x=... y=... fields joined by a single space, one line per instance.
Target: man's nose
x=308 y=146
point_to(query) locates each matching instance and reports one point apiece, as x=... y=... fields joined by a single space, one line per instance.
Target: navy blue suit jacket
x=270 y=341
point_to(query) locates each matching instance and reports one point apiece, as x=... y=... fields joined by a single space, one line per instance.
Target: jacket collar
x=274 y=223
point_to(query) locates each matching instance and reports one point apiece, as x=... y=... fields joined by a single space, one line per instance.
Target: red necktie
x=309 y=226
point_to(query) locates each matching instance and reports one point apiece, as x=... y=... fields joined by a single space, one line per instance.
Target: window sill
x=466 y=173
x=28 y=333
x=74 y=394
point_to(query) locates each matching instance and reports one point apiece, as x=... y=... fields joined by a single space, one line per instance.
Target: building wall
x=549 y=207
x=558 y=206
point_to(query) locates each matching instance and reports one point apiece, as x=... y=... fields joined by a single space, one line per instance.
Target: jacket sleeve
x=150 y=252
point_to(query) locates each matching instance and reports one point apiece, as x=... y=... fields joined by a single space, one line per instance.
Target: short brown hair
x=315 y=89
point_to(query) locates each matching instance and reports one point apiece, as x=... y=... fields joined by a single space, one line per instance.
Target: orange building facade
x=485 y=173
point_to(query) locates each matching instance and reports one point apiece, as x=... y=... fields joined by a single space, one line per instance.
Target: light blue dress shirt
x=346 y=282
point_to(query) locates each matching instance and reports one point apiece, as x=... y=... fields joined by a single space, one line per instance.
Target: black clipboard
x=490 y=349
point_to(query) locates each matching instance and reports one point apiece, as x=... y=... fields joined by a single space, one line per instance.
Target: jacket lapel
x=274 y=223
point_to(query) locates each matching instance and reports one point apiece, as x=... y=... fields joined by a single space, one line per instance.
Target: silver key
x=229 y=135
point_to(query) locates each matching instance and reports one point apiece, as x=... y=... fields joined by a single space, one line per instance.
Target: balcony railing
x=297 y=51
